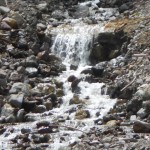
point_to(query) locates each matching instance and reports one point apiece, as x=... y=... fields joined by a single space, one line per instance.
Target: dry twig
x=128 y=85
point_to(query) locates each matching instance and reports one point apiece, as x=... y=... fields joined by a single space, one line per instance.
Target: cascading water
x=73 y=43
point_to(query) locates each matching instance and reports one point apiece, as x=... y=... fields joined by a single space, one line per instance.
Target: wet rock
x=20 y=115
x=47 y=89
x=25 y=130
x=110 y=117
x=42 y=124
x=45 y=130
x=10 y=119
x=71 y=78
x=74 y=85
x=75 y=100
x=16 y=100
x=82 y=114
x=30 y=118
x=2 y=119
x=48 y=105
x=40 y=109
x=97 y=71
x=141 y=127
x=59 y=93
x=41 y=138
x=53 y=99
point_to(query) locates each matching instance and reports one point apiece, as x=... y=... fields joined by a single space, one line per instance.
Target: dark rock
x=10 y=119
x=107 y=46
x=74 y=85
x=29 y=105
x=123 y=8
x=3 y=74
x=16 y=100
x=2 y=3
x=31 y=61
x=134 y=105
x=42 y=124
x=25 y=130
x=40 y=109
x=22 y=44
x=30 y=118
x=71 y=78
x=141 y=127
x=110 y=117
x=53 y=98
x=45 y=130
x=98 y=72
x=20 y=115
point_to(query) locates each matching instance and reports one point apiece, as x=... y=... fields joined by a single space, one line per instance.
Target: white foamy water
x=73 y=45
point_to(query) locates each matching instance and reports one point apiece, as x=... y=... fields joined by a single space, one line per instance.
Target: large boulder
x=141 y=127
x=107 y=46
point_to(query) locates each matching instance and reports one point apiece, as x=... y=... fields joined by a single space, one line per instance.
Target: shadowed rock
x=141 y=127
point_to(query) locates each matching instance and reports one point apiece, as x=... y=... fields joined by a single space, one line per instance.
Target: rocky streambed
x=74 y=75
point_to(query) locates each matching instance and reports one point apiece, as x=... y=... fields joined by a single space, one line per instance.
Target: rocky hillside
x=119 y=57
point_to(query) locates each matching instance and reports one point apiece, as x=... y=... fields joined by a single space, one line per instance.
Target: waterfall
x=73 y=43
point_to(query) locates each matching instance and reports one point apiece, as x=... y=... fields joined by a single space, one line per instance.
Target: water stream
x=73 y=43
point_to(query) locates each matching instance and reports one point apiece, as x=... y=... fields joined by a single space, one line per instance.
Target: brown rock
x=11 y=22
x=82 y=114
x=141 y=127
